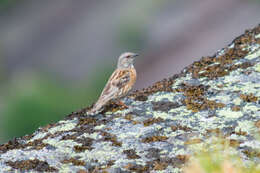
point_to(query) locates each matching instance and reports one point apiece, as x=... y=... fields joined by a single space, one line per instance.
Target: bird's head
x=126 y=60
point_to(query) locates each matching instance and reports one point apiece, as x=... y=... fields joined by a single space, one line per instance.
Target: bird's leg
x=122 y=104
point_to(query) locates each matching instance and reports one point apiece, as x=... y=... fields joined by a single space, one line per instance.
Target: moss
x=164 y=85
x=240 y=133
x=141 y=98
x=151 y=121
x=158 y=166
x=128 y=117
x=248 y=98
x=114 y=107
x=131 y=154
x=196 y=98
x=179 y=127
x=193 y=141
x=87 y=121
x=235 y=108
x=234 y=143
x=74 y=161
x=112 y=138
x=257 y=124
x=37 y=144
x=10 y=145
x=136 y=168
x=216 y=131
x=36 y=165
x=154 y=139
x=251 y=153
x=78 y=148
x=206 y=67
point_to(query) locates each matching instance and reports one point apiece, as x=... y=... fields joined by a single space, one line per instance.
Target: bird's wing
x=116 y=86
x=121 y=78
x=118 y=80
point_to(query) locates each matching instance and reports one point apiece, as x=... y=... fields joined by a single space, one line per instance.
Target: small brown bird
x=119 y=83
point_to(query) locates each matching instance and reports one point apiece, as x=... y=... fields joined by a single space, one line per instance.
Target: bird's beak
x=135 y=55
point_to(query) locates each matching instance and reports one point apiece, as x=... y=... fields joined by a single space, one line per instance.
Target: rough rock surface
x=158 y=132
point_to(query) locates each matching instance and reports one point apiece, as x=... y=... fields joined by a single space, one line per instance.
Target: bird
x=119 y=84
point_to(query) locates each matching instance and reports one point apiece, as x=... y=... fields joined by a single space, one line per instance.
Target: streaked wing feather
x=118 y=80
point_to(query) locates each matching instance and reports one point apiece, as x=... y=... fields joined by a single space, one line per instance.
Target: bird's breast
x=132 y=76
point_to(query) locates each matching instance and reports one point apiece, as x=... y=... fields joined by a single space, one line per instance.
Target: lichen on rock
x=164 y=124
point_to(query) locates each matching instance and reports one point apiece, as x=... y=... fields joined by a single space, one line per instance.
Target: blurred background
x=55 y=56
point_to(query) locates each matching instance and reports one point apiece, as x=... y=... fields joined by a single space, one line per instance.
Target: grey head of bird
x=126 y=60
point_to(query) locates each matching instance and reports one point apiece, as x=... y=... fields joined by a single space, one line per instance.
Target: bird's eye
x=128 y=56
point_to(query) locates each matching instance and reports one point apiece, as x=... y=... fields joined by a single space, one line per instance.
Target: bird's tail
x=103 y=100
x=96 y=108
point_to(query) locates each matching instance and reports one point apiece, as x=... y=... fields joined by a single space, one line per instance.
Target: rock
x=216 y=95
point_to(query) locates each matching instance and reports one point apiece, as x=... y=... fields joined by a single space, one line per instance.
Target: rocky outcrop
x=218 y=95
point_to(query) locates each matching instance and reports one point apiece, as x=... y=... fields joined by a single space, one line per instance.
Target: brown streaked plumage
x=120 y=82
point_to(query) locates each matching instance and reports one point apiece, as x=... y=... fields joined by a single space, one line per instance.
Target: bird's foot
x=122 y=104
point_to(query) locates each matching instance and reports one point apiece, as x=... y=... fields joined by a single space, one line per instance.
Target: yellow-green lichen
x=167 y=129
x=253 y=144
x=139 y=161
x=94 y=135
x=63 y=144
x=65 y=168
x=161 y=96
x=180 y=80
x=159 y=127
x=257 y=36
x=121 y=112
x=228 y=113
x=179 y=113
x=221 y=98
x=175 y=170
x=245 y=87
x=102 y=126
x=208 y=123
x=237 y=137
x=251 y=107
x=237 y=101
x=253 y=55
x=234 y=77
x=63 y=127
x=163 y=115
x=128 y=135
x=39 y=135
x=196 y=146
x=31 y=158
x=67 y=121
x=246 y=126
x=180 y=152
x=257 y=67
